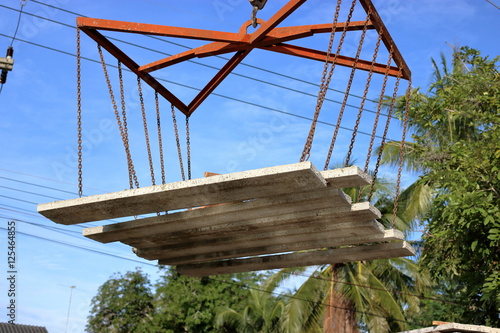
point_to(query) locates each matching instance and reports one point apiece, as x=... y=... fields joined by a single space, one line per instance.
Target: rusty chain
x=386 y=129
x=402 y=152
x=124 y=117
x=160 y=142
x=79 y=111
x=325 y=81
x=346 y=97
x=348 y=88
x=365 y=92
x=179 y=152
x=146 y=132
x=123 y=132
x=188 y=147
x=379 y=109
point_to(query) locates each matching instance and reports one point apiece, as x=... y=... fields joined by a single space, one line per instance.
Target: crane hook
x=257 y=5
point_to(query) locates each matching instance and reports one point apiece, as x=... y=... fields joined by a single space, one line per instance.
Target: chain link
x=79 y=110
x=325 y=81
x=123 y=131
x=146 y=132
x=402 y=152
x=379 y=109
x=188 y=147
x=160 y=142
x=124 y=117
x=365 y=92
x=348 y=88
x=176 y=130
x=386 y=129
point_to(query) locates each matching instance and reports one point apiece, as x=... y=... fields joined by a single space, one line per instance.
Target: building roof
x=455 y=328
x=15 y=328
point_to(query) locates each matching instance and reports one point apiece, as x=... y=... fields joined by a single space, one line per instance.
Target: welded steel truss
x=267 y=37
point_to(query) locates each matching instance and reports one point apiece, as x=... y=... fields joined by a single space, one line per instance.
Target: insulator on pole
x=6 y=64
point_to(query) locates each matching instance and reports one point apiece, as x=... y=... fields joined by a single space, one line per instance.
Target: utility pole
x=69 y=307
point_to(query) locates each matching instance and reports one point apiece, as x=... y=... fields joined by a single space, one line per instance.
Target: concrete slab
x=228 y=218
x=219 y=189
x=245 y=241
x=455 y=327
x=309 y=242
x=316 y=221
x=298 y=259
x=220 y=215
x=347 y=177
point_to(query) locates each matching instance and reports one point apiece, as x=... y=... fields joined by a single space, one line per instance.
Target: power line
x=82 y=248
x=29 y=192
x=193 y=88
x=493 y=4
x=37 y=185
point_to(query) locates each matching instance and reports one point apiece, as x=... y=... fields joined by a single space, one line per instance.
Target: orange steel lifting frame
x=267 y=37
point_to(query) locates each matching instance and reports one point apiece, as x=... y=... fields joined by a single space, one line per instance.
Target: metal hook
x=257 y=5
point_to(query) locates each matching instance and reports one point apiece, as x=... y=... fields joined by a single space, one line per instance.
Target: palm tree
x=374 y=295
x=262 y=313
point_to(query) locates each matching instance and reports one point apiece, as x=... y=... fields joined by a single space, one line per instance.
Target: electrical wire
x=197 y=89
x=41 y=186
x=493 y=4
x=23 y=3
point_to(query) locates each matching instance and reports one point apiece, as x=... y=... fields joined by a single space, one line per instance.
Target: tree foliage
x=176 y=303
x=456 y=135
x=186 y=304
x=124 y=303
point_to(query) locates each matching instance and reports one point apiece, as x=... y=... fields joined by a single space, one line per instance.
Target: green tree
x=261 y=314
x=373 y=295
x=455 y=147
x=124 y=303
x=336 y=298
x=186 y=304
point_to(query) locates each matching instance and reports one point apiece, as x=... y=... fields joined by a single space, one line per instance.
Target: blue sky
x=241 y=127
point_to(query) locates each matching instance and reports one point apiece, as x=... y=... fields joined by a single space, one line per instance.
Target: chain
x=325 y=81
x=188 y=147
x=346 y=95
x=160 y=143
x=379 y=109
x=146 y=132
x=176 y=130
x=386 y=130
x=79 y=110
x=124 y=117
x=365 y=92
x=402 y=152
x=123 y=130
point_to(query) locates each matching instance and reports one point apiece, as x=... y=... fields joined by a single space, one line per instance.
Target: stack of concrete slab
x=284 y=216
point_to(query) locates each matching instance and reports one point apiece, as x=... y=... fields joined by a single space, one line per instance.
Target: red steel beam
x=216 y=80
x=267 y=37
x=278 y=35
x=133 y=66
x=386 y=38
x=341 y=60
x=156 y=30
